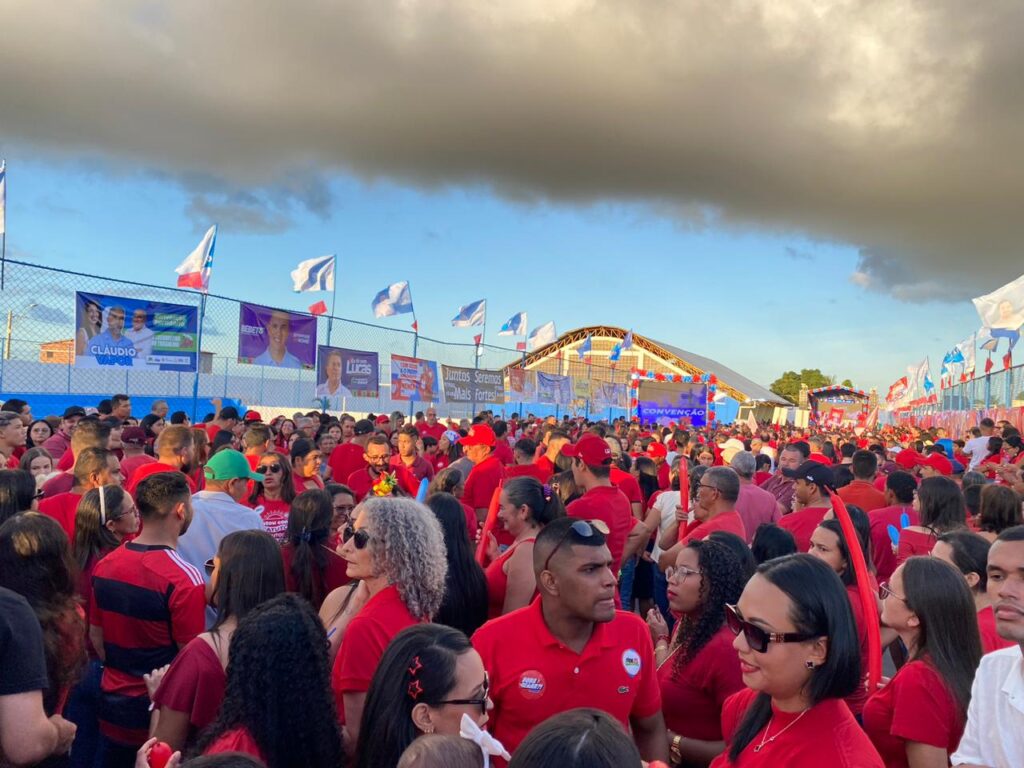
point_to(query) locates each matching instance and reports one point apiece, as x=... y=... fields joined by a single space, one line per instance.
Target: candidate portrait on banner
x=276 y=338
x=331 y=386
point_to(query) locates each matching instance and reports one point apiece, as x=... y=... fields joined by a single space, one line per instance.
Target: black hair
x=819 y=607
x=147 y=423
x=387 y=727
x=941 y=504
x=17 y=489
x=156 y=494
x=902 y=484
x=762 y=462
x=948 y=637
x=740 y=550
x=465 y=595
x=309 y=525
x=14 y=405
x=1016 y=533
x=578 y=738
x=28 y=438
x=179 y=417
x=251 y=572
x=92 y=538
x=561 y=530
x=1000 y=508
x=771 y=541
x=862 y=527
x=526 y=446
x=721 y=585
x=864 y=465
x=972 y=499
x=287 y=707
x=970 y=554
x=530 y=492
x=801 y=446
x=842 y=476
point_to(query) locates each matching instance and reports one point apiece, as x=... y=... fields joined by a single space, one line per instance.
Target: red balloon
x=712 y=379
x=160 y=754
x=711 y=415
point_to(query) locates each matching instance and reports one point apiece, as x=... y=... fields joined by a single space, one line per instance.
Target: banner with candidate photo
x=582 y=389
x=344 y=373
x=472 y=385
x=522 y=385
x=553 y=389
x=276 y=337
x=661 y=402
x=608 y=395
x=135 y=333
x=413 y=379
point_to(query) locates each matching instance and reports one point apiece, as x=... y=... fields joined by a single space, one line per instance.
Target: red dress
x=195 y=685
x=497 y=580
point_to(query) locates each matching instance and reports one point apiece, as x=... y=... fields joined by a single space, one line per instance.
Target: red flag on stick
x=320 y=308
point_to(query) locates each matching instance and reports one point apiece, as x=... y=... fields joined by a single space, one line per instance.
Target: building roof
x=748 y=387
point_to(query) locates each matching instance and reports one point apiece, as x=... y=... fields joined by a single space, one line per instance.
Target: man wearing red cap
x=936 y=465
x=601 y=500
x=657 y=453
x=478 y=446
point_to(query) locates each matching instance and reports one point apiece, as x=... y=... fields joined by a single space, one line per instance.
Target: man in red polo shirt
x=348 y=457
x=717 y=493
x=524 y=452
x=376 y=456
x=409 y=458
x=175 y=450
x=861 y=490
x=133 y=445
x=812 y=484
x=601 y=500
x=95 y=467
x=431 y=426
x=502 y=450
x=570 y=648
x=486 y=474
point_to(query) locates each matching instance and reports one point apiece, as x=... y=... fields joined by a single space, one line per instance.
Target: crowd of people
x=331 y=590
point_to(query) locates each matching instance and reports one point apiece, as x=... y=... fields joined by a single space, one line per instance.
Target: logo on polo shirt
x=631 y=662
x=532 y=684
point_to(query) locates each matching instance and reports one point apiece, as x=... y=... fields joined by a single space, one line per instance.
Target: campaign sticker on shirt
x=532 y=684
x=631 y=662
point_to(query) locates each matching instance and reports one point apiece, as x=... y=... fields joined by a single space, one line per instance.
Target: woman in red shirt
x=828 y=544
x=919 y=716
x=799 y=656
x=939 y=504
x=278 y=686
x=396 y=549
x=274 y=494
x=306 y=460
x=524 y=507
x=246 y=572
x=310 y=568
x=697 y=668
x=968 y=553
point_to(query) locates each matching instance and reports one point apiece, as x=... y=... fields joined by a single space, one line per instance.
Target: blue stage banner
x=659 y=402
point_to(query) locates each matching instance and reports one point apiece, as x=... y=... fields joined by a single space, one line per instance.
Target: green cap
x=228 y=465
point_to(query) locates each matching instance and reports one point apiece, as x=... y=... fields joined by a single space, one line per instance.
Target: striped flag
x=514 y=326
x=194 y=271
x=541 y=336
x=314 y=274
x=393 y=300
x=474 y=313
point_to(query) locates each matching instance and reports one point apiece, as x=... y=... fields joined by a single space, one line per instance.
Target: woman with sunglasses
x=939 y=504
x=428 y=679
x=800 y=660
x=697 y=666
x=395 y=548
x=245 y=573
x=274 y=494
x=917 y=719
x=306 y=460
x=310 y=568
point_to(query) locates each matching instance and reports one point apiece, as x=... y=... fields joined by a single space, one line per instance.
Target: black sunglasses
x=481 y=702
x=757 y=638
x=359 y=538
x=585 y=529
x=262 y=469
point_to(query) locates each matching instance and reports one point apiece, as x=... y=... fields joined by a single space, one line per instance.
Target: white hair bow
x=468 y=729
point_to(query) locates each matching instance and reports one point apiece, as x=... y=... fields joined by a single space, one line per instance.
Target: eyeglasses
x=886 y=592
x=585 y=529
x=757 y=638
x=481 y=702
x=709 y=487
x=359 y=538
x=681 y=572
x=263 y=469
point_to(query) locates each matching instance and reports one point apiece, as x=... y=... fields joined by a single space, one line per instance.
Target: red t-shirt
x=61 y=483
x=693 y=698
x=504 y=452
x=730 y=522
x=334 y=575
x=534 y=676
x=914 y=543
x=362 y=484
x=546 y=468
x=237 y=740
x=194 y=685
x=802 y=524
x=483 y=479
x=881 y=545
x=153 y=468
x=990 y=639
x=419 y=469
x=527 y=470
x=63 y=508
x=826 y=735
x=863 y=494
x=132 y=463
x=275 y=517
x=820 y=458
x=626 y=483
x=916 y=706
x=384 y=616
x=437 y=431
x=346 y=459
x=609 y=505
x=857 y=699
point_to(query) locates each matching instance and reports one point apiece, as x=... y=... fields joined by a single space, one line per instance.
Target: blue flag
x=393 y=300
x=472 y=314
x=514 y=326
x=584 y=348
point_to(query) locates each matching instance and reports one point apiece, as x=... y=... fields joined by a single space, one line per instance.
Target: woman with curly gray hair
x=395 y=548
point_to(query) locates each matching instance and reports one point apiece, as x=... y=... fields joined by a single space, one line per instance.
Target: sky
x=776 y=184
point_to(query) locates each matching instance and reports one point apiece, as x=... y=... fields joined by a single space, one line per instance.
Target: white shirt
x=214 y=516
x=666 y=504
x=977 y=449
x=994 y=735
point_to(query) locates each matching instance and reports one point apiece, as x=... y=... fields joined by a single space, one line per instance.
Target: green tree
x=847 y=383
x=788 y=384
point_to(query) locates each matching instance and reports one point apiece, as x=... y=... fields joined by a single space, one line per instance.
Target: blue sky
x=759 y=302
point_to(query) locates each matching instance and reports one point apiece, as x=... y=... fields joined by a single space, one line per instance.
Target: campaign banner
x=413 y=379
x=343 y=373
x=608 y=395
x=276 y=337
x=554 y=389
x=581 y=389
x=661 y=402
x=522 y=385
x=135 y=333
x=472 y=385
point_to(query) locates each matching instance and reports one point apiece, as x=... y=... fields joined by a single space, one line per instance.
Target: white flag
x=314 y=274
x=541 y=335
x=194 y=271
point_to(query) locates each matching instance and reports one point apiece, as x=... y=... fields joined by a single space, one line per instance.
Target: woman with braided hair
x=697 y=667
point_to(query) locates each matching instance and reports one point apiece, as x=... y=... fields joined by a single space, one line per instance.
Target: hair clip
x=103 y=507
x=415 y=667
x=415 y=690
x=546 y=490
x=305 y=535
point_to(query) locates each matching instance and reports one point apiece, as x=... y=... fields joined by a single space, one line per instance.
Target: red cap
x=479 y=434
x=252 y=416
x=936 y=461
x=591 y=449
x=908 y=458
x=382 y=419
x=657 y=450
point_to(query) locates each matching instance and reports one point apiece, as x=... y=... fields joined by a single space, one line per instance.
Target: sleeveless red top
x=497 y=580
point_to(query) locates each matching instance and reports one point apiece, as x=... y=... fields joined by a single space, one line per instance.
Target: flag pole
x=199 y=360
x=334 y=300
x=476 y=359
x=3 y=236
x=415 y=343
